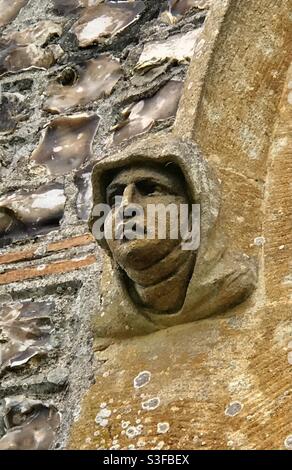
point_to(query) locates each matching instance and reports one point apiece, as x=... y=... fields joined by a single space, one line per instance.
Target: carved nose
x=129 y=195
x=129 y=202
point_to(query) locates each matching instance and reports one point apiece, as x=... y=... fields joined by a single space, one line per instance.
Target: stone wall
x=223 y=382
x=47 y=256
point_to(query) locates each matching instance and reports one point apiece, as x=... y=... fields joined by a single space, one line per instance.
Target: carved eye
x=147 y=188
x=117 y=192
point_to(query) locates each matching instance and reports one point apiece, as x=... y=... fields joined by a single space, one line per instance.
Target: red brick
x=27 y=255
x=58 y=267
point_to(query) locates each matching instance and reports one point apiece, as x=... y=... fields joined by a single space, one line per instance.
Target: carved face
x=158 y=283
x=141 y=186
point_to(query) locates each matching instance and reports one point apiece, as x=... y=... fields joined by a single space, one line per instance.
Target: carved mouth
x=126 y=234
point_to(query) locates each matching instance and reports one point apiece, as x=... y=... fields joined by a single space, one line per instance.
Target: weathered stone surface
x=223 y=382
x=177 y=8
x=230 y=108
x=240 y=124
x=242 y=358
x=237 y=104
x=25 y=331
x=66 y=143
x=61 y=265
x=29 y=213
x=30 y=424
x=10 y=9
x=277 y=229
x=142 y=116
x=179 y=47
x=183 y=284
x=105 y=21
x=22 y=50
x=96 y=79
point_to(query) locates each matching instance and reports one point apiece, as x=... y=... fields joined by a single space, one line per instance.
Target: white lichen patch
x=102 y=417
x=142 y=379
x=134 y=431
x=162 y=428
x=233 y=409
x=151 y=404
x=125 y=424
x=288 y=442
x=259 y=241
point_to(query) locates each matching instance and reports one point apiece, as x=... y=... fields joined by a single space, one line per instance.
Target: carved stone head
x=150 y=280
x=156 y=268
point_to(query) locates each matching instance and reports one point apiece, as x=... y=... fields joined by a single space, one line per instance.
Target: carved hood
x=221 y=278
